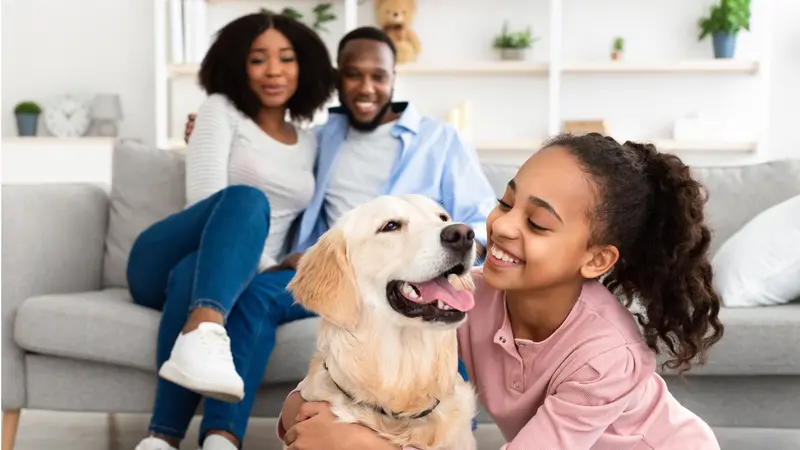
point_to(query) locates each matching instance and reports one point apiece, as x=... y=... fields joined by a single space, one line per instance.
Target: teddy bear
x=395 y=18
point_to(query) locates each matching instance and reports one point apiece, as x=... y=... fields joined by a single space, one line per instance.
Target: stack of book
x=189 y=37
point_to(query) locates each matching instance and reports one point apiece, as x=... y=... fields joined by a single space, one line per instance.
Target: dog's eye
x=389 y=226
x=444 y=217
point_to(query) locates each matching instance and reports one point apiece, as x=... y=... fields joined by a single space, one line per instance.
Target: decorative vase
x=724 y=44
x=26 y=124
x=512 y=54
x=616 y=55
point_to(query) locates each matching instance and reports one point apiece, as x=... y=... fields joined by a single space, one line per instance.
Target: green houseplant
x=617 y=47
x=513 y=45
x=288 y=12
x=27 y=114
x=725 y=20
x=322 y=15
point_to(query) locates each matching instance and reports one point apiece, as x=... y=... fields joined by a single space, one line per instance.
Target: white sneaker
x=154 y=443
x=217 y=442
x=201 y=361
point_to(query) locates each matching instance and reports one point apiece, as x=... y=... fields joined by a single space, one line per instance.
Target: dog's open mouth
x=442 y=299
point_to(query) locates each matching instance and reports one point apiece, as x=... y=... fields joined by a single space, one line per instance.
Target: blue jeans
x=207 y=255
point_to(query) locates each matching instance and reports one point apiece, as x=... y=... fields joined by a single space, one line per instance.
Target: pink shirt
x=590 y=385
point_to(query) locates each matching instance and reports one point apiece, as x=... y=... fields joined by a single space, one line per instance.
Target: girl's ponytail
x=651 y=208
x=668 y=268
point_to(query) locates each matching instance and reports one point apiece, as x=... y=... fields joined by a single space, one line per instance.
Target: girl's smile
x=502 y=258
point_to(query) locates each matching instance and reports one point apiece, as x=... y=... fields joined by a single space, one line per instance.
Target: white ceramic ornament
x=67 y=117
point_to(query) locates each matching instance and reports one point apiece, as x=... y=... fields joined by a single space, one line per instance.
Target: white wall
x=82 y=47
x=96 y=45
x=785 y=104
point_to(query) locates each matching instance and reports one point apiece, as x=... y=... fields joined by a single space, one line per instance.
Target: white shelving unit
x=554 y=70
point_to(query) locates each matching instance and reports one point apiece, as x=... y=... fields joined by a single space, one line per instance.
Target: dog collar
x=378 y=408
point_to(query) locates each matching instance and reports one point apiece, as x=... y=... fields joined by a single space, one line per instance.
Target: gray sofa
x=72 y=340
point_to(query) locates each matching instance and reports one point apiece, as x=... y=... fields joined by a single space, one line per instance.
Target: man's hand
x=289 y=263
x=318 y=429
x=189 y=127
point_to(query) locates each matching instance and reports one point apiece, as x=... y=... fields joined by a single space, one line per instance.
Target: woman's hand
x=318 y=429
x=189 y=127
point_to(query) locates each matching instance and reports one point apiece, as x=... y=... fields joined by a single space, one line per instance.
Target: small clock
x=67 y=116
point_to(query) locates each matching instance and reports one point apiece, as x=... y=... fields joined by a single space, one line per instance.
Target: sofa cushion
x=147 y=184
x=739 y=193
x=756 y=341
x=760 y=264
x=107 y=327
x=499 y=175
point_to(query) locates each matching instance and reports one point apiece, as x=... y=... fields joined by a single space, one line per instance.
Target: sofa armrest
x=53 y=242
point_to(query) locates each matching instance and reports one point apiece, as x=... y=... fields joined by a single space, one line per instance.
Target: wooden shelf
x=709 y=66
x=53 y=140
x=183 y=70
x=475 y=68
x=176 y=144
x=671 y=145
x=529 y=146
x=48 y=159
x=663 y=145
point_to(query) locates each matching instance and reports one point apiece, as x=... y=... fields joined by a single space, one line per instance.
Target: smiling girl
x=586 y=228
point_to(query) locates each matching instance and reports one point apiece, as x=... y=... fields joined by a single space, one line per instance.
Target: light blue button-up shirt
x=433 y=160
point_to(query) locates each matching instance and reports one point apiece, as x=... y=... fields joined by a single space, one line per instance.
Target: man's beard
x=372 y=124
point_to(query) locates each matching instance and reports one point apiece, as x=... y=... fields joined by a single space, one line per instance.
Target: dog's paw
x=462 y=283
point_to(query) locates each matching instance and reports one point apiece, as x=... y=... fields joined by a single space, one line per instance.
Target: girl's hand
x=318 y=429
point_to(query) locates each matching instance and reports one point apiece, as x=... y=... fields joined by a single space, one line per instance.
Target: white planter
x=513 y=54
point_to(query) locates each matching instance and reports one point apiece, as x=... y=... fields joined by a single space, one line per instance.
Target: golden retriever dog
x=391 y=282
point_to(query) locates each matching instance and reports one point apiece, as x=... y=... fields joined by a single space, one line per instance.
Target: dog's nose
x=457 y=237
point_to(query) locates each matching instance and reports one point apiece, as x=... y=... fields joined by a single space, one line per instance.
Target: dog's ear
x=325 y=283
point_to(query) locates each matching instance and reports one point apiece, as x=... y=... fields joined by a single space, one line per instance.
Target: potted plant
x=27 y=118
x=617 y=47
x=322 y=15
x=723 y=23
x=514 y=45
x=288 y=12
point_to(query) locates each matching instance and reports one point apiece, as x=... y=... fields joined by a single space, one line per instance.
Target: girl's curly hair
x=651 y=209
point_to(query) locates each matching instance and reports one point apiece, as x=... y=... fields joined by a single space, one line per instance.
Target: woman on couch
x=249 y=174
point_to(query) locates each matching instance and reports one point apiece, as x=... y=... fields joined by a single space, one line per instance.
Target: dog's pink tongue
x=441 y=289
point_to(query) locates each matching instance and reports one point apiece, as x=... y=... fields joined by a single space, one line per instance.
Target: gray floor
x=39 y=430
